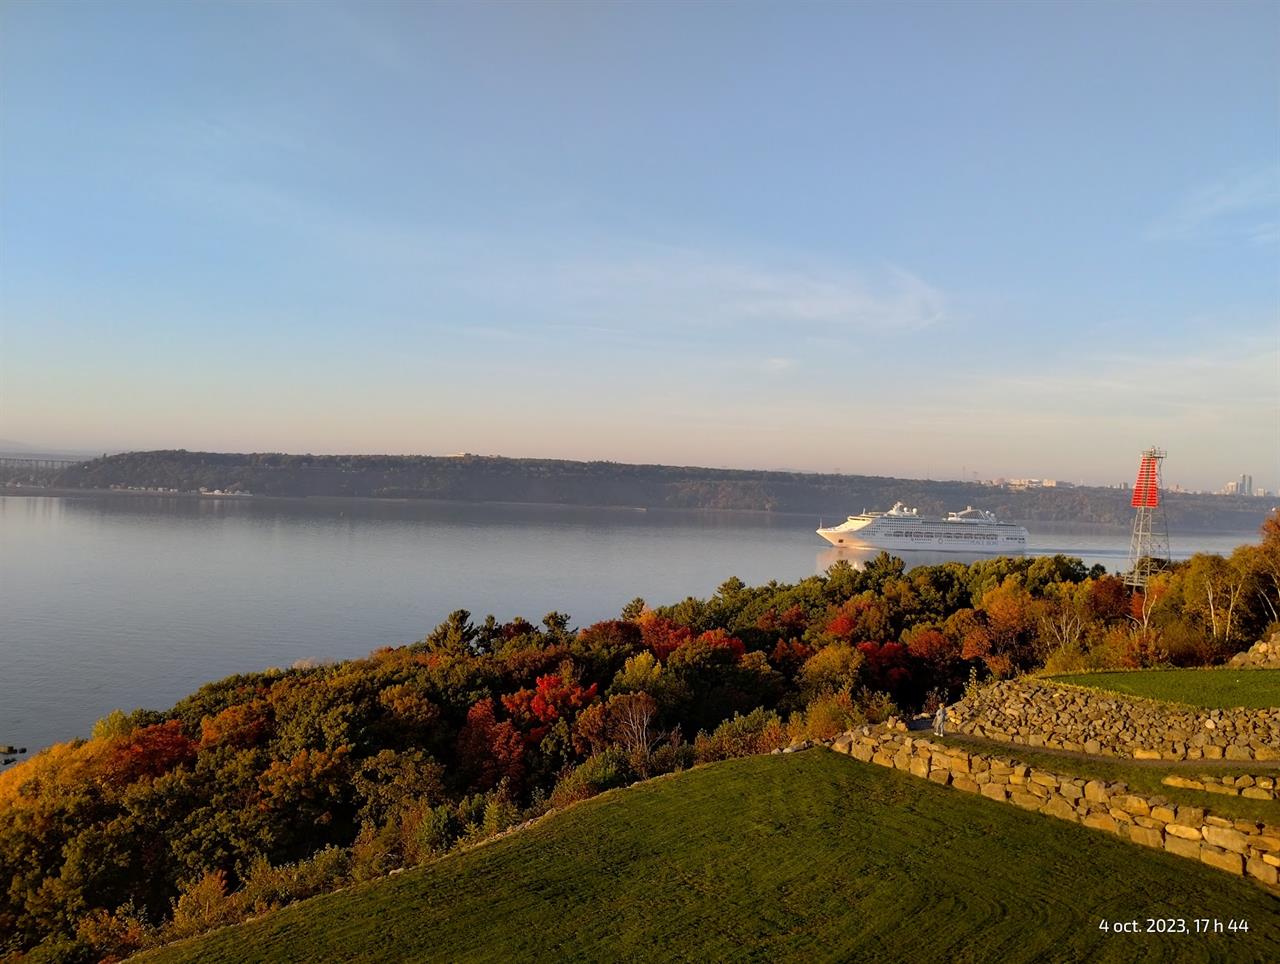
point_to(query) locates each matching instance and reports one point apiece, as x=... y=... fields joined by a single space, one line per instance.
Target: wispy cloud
x=1224 y=387
x=778 y=364
x=1266 y=233
x=1244 y=205
x=596 y=285
x=1086 y=415
x=771 y=366
x=689 y=287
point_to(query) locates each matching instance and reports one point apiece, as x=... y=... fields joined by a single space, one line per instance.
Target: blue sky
x=913 y=239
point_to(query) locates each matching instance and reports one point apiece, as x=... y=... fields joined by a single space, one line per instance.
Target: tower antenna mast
x=1149 y=545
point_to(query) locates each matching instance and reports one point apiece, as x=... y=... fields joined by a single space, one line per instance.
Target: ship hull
x=996 y=544
x=903 y=529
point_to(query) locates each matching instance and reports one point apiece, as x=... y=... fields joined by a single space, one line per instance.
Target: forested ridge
x=473 y=478
x=264 y=788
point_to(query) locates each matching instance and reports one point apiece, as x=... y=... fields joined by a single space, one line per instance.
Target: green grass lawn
x=811 y=856
x=1214 y=688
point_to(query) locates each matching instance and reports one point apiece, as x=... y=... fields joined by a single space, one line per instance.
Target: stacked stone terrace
x=1242 y=847
x=1042 y=714
x=1259 y=787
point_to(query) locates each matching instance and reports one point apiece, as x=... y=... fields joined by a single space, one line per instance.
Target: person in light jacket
x=940 y=721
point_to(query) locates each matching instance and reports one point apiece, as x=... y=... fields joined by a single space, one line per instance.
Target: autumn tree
x=313 y=788
x=662 y=636
x=241 y=725
x=832 y=669
x=865 y=617
x=1108 y=599
x=631 y=719
x=1011 y=623
x=1213 y=593
x=146 y=752
x=604 y=647
x=490 y=750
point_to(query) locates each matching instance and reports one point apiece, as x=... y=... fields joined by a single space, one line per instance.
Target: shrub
x=115 y=936
x=876 y=706
x=1126 y=648
x=671 y=757
x=602 y=771
x=377 y=851
x=202 y=905
x=438 y=830
x=499 y=814
x=825 y=717
x=1066 y=659
x=756 y=732
x=267 y=887
x=935 y=698
x=60 y=950
x=1188 y=646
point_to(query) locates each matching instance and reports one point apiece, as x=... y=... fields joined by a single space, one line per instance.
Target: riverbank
x=29 y=491
x=493 y=479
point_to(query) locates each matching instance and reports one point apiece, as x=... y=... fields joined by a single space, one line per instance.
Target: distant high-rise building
x=1240 y=487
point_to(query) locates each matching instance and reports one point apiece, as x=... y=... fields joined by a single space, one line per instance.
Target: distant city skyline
x=921 y=240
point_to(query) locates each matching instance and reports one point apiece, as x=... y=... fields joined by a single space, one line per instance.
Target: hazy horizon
x=925 y=240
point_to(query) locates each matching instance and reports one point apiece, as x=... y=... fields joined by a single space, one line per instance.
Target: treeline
x=491 y=479
x=264 y=788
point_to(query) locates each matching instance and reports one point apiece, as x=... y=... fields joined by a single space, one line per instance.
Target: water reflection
x=1095 y=545
x=125 y=601
x=859 y=558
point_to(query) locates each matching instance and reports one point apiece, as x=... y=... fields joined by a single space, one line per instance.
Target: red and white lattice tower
x=1149 y=547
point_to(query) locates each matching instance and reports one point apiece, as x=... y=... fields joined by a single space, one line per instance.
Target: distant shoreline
x=494 y=480
x=29 y=491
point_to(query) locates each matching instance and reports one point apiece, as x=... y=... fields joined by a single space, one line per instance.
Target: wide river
x=125 y=601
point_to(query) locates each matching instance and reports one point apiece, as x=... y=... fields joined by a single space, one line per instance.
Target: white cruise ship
x=972 y=530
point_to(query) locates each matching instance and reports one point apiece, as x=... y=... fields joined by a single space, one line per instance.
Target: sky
x=913 y=239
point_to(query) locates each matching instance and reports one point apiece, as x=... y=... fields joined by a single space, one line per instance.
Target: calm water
x=118 y=601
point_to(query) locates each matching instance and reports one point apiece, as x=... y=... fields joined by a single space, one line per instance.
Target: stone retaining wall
x=1241 y=847
x=1255 y=787
x=1038 y=713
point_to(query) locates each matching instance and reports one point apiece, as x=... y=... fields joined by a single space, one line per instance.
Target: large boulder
x=1264 y=654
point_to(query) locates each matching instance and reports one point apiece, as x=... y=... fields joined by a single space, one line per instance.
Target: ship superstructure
x=971 y=530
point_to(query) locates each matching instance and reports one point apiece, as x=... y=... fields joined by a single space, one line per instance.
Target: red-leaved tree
x=147 y=752
x=661 y=636
x=489 y=750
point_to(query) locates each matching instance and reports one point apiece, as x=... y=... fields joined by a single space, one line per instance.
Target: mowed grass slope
x=1213 y=688
x=811 y=856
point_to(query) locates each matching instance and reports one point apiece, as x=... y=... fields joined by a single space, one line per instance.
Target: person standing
x=940 y=721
